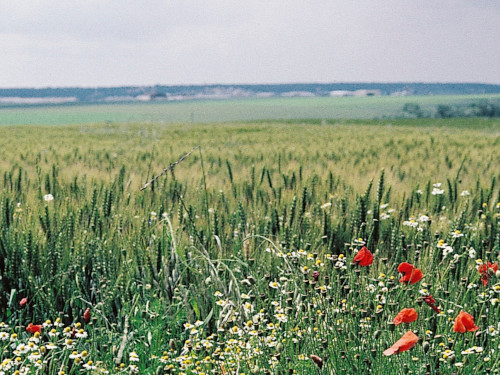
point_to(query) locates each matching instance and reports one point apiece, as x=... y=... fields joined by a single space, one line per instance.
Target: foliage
x=203 y=261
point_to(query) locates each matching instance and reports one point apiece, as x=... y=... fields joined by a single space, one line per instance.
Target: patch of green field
x=230 y=110
x=212 y=269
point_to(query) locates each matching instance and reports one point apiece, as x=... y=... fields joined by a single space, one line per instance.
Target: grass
x=230 y=110
x=212 y=268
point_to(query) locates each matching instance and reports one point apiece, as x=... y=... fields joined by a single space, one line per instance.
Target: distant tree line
x=484 y=108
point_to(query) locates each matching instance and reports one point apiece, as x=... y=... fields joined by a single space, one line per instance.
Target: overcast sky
x=144 y=42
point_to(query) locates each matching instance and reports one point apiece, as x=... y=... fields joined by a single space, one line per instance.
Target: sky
x=91 y=43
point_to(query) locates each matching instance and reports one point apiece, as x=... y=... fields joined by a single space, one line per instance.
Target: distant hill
x=34 y=96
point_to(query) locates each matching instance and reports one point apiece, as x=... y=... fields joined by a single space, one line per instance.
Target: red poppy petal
x=416 y=276
x=392 y=350
x=458 y=326
x=406 y=342
x=468 y=321
x=406 y=316
x=405 y=267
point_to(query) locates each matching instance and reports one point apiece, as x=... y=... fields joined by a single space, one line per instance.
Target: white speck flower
x=472 y=253
x=81 y=334
x=222 y=302
x=133 y=357
x=464 y=193
x=411 y=222
x=281 y=317
x=48 y=197
x=437 y=191
x=89 y=366
x=447 y=250
x=21 y=348
x=274 y=284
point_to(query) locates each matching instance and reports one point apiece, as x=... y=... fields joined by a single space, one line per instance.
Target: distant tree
x=485 y=109
x=413 y=110
x=445 y=111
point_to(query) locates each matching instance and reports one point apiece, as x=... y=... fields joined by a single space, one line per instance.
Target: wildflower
x=472 y=253
x=447 y=250
x=274 y=284
x=432 y=303
x=424 y=218
x=464 y=193
x=81 y=334
x=133 y=357
x=406 y=342
x=23 y=302
x=364 y=257
x=411 y=274
x=315 y=275
x=406 y=316
x=411 y=222
x=484 y=270
x=89 y=366
x=464 y=322
x=317 y=360
x=32 y=328
x=437 y=191
x=86 y=315
x=48 y=197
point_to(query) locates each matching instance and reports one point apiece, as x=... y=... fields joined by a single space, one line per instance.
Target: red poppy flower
x=432 y=303
x=484 y=270
x=464 y=323
x=33 y=328
x=86 y=315
x=406 y=342
x=23 y=302
x=364 y=257
x=410 y=273
x=406 y=316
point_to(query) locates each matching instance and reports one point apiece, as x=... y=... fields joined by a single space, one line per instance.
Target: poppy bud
x=315 y=275
x=426 y=346
x=23 y=302
x=317 y=360
x=86 y=315
x=172 y=344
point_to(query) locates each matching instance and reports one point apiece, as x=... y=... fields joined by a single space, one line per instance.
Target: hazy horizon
x=108 y=44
